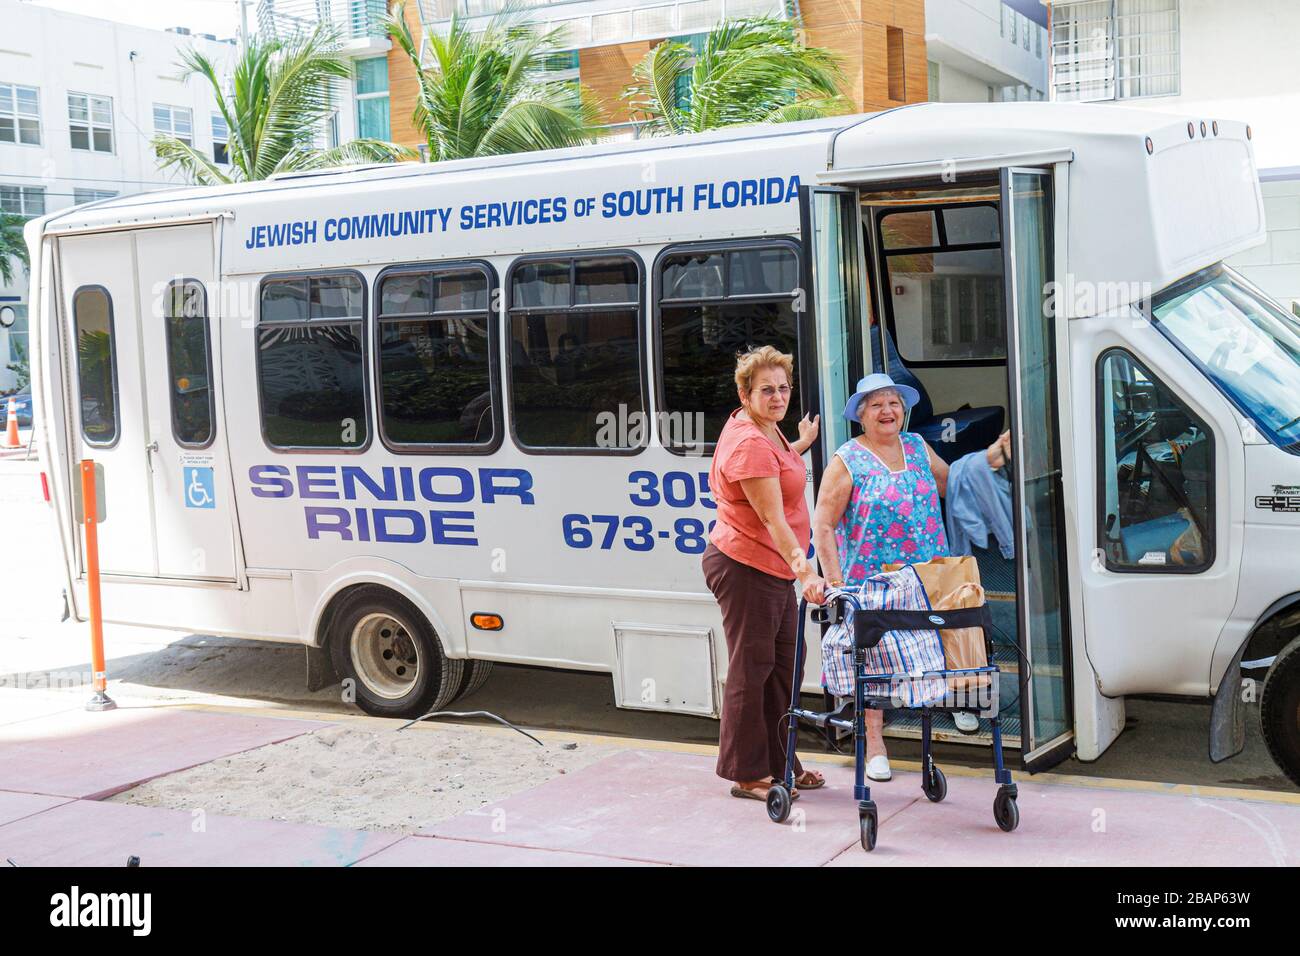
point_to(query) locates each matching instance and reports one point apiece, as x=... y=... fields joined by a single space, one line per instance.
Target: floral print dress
x=892 y=516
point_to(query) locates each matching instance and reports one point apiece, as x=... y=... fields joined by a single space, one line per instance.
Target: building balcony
x=589 y=23
x=358 y=22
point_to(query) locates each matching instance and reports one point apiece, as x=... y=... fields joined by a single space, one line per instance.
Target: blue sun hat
x=873 y=383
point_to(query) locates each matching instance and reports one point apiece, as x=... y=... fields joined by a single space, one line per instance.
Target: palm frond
x=12 y=246
x=176 y=154
x=491 y=91
x=277 y=100
x=749 y=70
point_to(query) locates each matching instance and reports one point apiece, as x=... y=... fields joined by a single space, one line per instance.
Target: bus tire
x=387 y=648
x=1279 y=711
x=476 y=675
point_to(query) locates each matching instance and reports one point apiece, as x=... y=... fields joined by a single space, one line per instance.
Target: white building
x=986 y=50
x=80 y=99
x=1205 y=58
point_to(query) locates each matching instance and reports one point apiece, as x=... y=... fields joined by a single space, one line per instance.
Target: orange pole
x=100 y=700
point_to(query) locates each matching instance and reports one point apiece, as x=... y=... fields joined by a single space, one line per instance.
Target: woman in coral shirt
x=758 y=547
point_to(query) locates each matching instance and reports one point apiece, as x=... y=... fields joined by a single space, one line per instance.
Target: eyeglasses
x=770 y=391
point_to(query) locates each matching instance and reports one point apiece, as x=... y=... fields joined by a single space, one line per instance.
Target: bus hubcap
x=386 y=657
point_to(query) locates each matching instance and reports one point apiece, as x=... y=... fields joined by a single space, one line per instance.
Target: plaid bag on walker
x=899 y=652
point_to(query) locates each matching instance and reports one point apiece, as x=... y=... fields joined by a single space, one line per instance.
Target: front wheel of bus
x=390 y=652
x=1279 y=711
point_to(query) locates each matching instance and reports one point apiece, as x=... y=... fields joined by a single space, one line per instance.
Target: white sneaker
x=966 y=723
x=878 y=769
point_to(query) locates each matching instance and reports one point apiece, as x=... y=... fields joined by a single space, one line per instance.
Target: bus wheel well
x=1277 y=627
x=321 y=671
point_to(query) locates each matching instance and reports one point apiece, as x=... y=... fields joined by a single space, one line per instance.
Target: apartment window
x=932 y=78
x=1115 y=49
x=174 y=121
x=1025 y=26
x=22 y=200
x=437 y=373
x=897 y=76
x=90 y=122
x=92 y=316
x=372 y=98
x=712 y=303
x=80 y=195
x=310 y=362
x=20 y=115
x=575 y=353
x=220 y=139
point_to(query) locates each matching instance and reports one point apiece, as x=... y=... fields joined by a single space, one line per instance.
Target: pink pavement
x=631 y=808
x=670 y=808
x=74 y=753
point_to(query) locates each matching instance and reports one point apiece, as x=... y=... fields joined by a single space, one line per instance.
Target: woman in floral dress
x=879 y=504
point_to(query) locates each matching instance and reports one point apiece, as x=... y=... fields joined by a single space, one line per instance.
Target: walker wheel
x=1005 y=811
x=867 y=827
x=935 y=785
x=778 y=803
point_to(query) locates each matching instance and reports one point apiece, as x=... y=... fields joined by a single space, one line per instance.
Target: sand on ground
x=366 y=779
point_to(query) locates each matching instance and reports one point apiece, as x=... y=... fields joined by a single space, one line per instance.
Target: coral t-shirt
x=743 y=451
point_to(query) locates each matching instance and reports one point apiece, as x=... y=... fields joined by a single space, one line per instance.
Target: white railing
x=592 y=23
x=354 y=19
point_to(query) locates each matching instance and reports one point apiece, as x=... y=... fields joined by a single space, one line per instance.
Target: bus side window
x=92 y=315
x=575 y=354
x=1157 y=472
x=310 y=361
x=713 y=303
x=189 y=363
x=437 y=358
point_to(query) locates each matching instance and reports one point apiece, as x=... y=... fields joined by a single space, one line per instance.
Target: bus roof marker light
x=1191 y=130
x=487 y=622
x=1202 y=129
x=1151 y=147
x=1215 y=126
x=1247 y=131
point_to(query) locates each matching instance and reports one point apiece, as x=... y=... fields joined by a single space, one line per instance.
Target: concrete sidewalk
x=639 y=804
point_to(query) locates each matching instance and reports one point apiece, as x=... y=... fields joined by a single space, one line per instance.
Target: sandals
x=808 y=780
x=757 y=791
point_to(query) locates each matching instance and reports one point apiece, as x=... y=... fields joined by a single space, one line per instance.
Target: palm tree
x=278 y=99
x=487 y=93
x=753 y=70
x=11 y=246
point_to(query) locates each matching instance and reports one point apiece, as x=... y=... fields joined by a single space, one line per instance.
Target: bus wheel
x=387 y=648
x=1279 y=711
x=476 y=675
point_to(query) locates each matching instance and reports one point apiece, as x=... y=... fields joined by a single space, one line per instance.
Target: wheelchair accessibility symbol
x=199 y=491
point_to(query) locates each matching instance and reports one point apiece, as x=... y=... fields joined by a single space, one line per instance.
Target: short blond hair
x=760 y=357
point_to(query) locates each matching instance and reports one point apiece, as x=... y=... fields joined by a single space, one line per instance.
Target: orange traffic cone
x=11 y=427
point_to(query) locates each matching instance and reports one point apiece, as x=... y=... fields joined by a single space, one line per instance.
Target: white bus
x=422 y=418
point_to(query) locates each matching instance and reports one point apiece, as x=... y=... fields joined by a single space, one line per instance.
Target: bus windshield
x=1247 y=345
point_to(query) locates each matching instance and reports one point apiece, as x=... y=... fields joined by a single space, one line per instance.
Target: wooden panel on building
x=404 y=86
x=607 y=71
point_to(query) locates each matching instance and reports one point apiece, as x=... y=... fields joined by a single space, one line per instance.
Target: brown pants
x=760 y=615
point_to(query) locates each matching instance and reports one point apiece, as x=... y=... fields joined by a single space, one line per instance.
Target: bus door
x=106 y=419
x=833 y=301
x=1047 y=727
x=188 y=466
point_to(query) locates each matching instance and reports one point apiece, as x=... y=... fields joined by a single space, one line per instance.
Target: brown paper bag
x=942 y=576
x=963 y=647
x=951 y=583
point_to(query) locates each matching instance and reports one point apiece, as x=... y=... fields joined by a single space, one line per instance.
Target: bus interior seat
x=973 y=429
